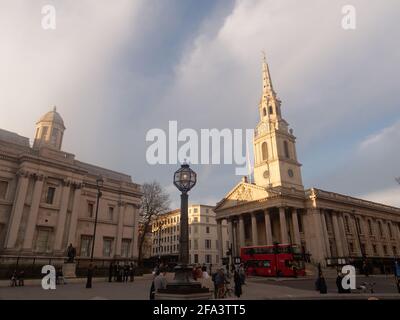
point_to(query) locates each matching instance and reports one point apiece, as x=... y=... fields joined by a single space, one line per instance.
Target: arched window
x=264 y=151
x=271 y=110
x=286 y=149
x=264 y=112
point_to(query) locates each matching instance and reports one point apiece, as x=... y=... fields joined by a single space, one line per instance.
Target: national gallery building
x=330 y=228
x=48 y=200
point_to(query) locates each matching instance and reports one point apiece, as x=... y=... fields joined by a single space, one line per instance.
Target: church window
x=42 y=240
x=290 y=173
x=86 y=245
x=271 y=110
x=111 y=213
x=90 y=209
x=286 y=149
x=107 y=245
x=264 y=112
x=264 y=151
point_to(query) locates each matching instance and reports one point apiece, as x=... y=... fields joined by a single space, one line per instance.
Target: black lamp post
x=99 y=184
x=183 y=284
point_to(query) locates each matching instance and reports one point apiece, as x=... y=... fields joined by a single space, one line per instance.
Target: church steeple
x=275 y=163
x=270 y=105
x=49 y=130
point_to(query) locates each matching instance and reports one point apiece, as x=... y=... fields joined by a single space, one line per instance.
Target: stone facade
x=276 y=207
x=48 y=199
x=204 y=238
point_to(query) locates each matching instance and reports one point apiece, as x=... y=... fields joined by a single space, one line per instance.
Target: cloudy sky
x=116 y=69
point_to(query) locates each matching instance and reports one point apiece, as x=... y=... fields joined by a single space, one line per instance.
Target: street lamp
x=183 y=285
x=99 y=184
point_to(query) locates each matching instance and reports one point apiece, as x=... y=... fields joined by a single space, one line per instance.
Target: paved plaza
x=255 y=289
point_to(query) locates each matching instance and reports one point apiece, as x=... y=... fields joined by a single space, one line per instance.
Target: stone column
x=74 y=215
x=241 y=231
x=33 y=213
x=254 y=232
x=282 y=222
x=296 y=230
x=220 y=240
x=17 y=210
x=268 y=230
x=62 y=216
x=338 y=237
x=120 y=228
x=343 y=232
x=368 y=244
x=325 y=234
x=230 y=230
x=135 y=248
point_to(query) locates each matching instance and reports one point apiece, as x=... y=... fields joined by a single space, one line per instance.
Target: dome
x=52 y=116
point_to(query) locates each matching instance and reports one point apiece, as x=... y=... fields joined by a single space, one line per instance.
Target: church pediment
x=241 y=194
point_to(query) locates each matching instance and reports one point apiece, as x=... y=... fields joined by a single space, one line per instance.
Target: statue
x=71 y=253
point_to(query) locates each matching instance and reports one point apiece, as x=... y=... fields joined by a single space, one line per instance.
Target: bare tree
x=155 y=201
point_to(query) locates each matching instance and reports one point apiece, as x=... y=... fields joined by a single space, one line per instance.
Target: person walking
x=110 y=271
x=21 y=277
x=238 y=284
x=242 y=274
x=14 y=279
x=220 y=281
x=89 y=276
x=339 y=285
x=159 y=282
x=132 y=272
x=320 y=284
x=126 y=273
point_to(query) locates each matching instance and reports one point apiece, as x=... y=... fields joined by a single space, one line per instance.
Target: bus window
x=267 y=264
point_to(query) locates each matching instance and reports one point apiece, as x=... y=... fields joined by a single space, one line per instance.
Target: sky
x=116 y=70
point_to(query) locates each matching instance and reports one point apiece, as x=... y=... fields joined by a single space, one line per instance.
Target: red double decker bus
x=283 y=260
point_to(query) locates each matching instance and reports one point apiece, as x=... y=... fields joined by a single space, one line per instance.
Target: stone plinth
x=69 y=270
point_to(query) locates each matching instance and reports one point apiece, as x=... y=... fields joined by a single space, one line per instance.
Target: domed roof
x=52 y=116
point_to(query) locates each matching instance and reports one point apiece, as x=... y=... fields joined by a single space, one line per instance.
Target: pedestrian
x=14 y=278
x=110 y=271
x=89 y=276
x=160 y=282
x=204 y=273
x=126 y=273
x=238 y=284
x=397 y=274
x=60 y=276
x=194 y=273
x=21 y=277
x=339 y=285
x=152 y=289
x=321 y=284
x=220 y=281
x=132 y=272
x=242 y=274
x=116 y=271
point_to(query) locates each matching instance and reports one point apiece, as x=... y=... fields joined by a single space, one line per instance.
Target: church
x=329 y=228
x=48 y=200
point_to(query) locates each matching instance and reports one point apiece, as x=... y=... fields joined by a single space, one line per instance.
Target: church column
x=282 y=222
x=230 y=230
x=62 y=215
x=338 y=238
x=17 y=209
x=220 y=239
x=296 y=230
x=33 y=213
x=74 y=214
x=254 y=232
x=268 y=230
x=241 y=231
x=120 y=227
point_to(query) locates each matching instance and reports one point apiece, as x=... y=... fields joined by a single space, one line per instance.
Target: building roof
x=15 y=138
x=52 y=116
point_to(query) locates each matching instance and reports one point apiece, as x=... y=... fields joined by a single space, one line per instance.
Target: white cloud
x=390 y=196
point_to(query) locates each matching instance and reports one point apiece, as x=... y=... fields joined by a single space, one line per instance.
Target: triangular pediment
x=242 y=193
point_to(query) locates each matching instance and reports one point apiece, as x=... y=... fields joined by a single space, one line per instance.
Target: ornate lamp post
x=183 y=286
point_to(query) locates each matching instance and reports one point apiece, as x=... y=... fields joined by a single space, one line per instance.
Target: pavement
x=256 y=288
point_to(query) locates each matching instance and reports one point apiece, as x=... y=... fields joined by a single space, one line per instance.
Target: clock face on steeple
x=266 y=174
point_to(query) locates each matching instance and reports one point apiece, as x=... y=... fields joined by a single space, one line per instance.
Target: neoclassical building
x=203 y=238
x=48 y=199
x=276 y=207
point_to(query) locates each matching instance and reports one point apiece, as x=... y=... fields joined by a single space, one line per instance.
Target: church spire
x=269 y=104
x=268 y=89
